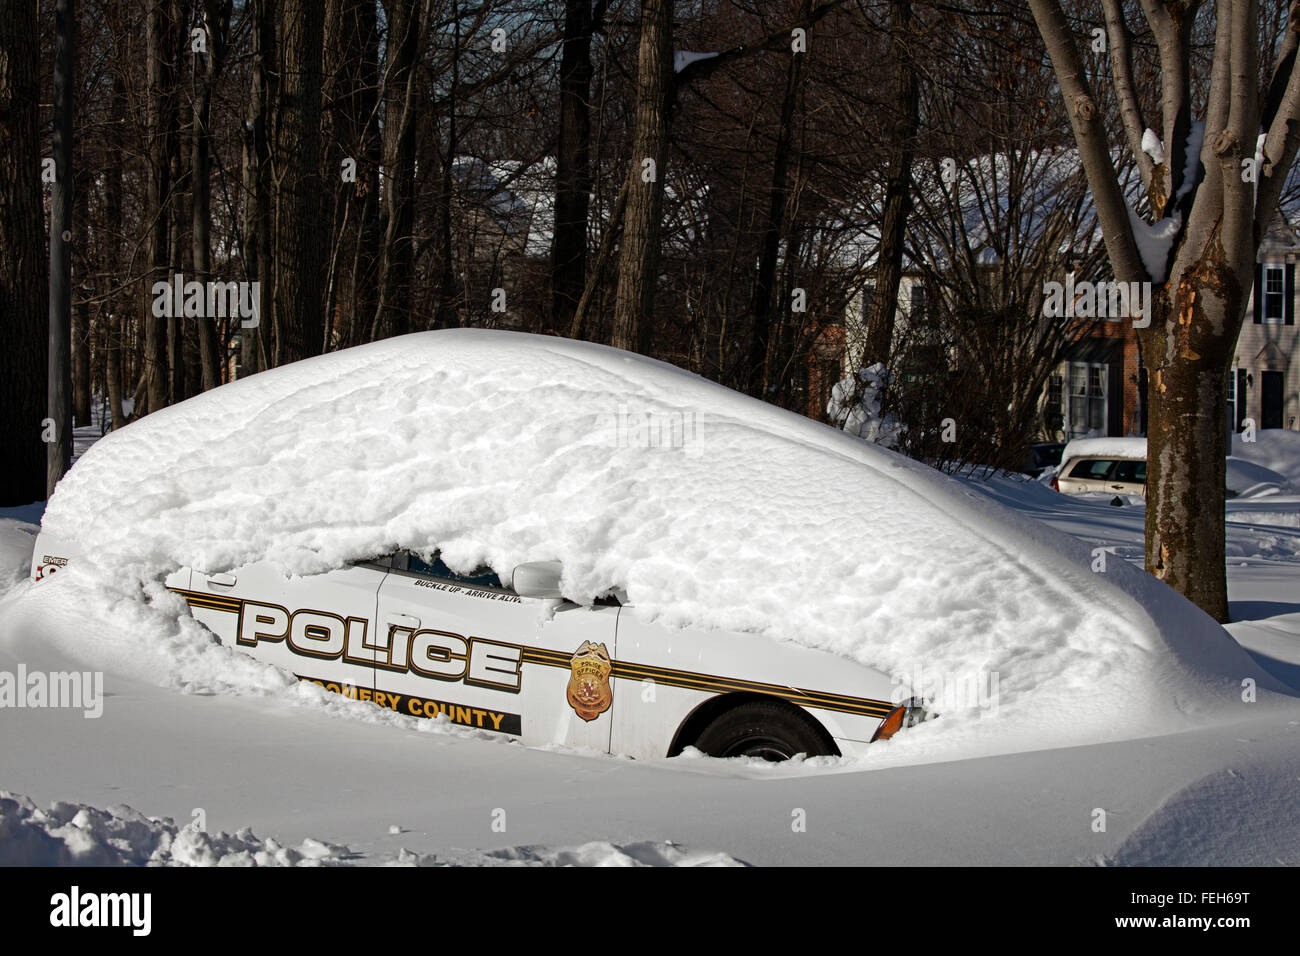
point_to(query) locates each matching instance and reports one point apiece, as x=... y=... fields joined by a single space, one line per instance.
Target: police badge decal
x=589 y=691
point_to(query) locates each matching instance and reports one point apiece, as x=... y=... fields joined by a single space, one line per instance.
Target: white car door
x=1089 y=474
x=468 y=648
x=322 y=627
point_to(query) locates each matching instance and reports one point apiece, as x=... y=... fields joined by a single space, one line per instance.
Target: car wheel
x=767 y=729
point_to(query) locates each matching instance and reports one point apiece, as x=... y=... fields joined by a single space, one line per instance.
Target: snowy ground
x=182 y=768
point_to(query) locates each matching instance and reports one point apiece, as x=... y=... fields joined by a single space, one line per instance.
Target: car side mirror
x=538 y=579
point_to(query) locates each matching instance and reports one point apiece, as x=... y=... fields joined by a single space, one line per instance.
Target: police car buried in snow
x=407 y=633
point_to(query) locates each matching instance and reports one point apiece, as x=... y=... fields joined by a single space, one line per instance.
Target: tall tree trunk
x=24 y=287
x=351 y=92
x=573 y=172
x=158 y=34
x=216 y=16
x=398 y=253
x=1187 y=443
x=762 y=315
x=115 y=302
x=302 y=241
x=365 y=271
x=59 y=382
x=259 y=250
x=81 y=325
x=251 y=241
x=898 y=191
x=1187 y=352
x=178 y=253
x=448 y=313
x=81 y=355
x=176 y=258
x=638 y=261
x=612 y=229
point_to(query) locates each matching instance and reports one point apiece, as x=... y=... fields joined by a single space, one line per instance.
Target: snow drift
x=1104 y=448
x=707 y=507
x=71 y=834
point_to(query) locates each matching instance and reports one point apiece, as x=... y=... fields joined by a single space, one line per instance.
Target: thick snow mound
x=709 y=508
x=16 y=540
x=1248 y=479
x=72 y=834
x=596 y=853
x=1104 y=448
x=1275 y=449
x=1192 y=828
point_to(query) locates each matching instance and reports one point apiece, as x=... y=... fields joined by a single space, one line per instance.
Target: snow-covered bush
x=855 y=407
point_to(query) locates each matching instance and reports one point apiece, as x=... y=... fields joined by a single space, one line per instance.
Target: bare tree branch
x=1281 y=145
x=1090 y=135
x=1130 y=111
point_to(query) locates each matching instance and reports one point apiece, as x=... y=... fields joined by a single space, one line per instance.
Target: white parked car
x=406 y=633
x=1111 y=465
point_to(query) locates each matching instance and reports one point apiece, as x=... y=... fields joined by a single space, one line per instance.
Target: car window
x=1048 y=455
x=1134 y=471
x=1094 y=468
x=479 y=578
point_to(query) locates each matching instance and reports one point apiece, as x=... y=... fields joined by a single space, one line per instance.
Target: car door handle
x=222 y=580
x=402 y=620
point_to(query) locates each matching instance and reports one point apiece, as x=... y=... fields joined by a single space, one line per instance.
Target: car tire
x=767 y=729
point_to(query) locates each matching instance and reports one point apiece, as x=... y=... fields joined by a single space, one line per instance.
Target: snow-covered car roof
x=1105 y=448
x=708 y=508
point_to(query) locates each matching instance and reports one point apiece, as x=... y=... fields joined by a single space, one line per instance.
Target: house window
x=1274 y=294
x=918 y=311
x=1054 y=413
x=1085 y=399
x=868 y=302
x=1232 y=399
x=920 y=316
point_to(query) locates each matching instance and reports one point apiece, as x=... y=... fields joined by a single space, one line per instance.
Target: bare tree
x=23 y=286
x=59 y=380
x=397 y=258
x=301 y=242
x=638 y=262
x=774 y=224
x=159 y=31
x=351 y=101
x=216 y=27
x=1199 y=250
x=259 y=244
x=898 y=188
x=573 y=161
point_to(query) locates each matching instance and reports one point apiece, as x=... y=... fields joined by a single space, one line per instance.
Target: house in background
x=839 y=345
x=1099 y=389
x=1264 y=384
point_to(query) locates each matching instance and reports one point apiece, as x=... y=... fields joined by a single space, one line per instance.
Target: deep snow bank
x=1276 y=449
x=1104 y=448
x=708 y=507
x=1269 y=465
x=16 y=540
x=72 y=834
